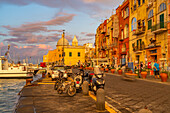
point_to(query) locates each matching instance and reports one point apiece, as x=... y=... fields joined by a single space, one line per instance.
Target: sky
x=33 y=27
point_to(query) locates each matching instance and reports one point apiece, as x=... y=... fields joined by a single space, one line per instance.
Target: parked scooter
x=78 y=81
x=97 y=80
x=66 y=84
x=88 y=77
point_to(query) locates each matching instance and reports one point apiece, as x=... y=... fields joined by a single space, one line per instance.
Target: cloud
x=43 y=46
x=83 y=33
x=41 y=26
x=1 y=44
x=90 y=34
x=86 y=39
x=2 y=34
x=27 y=33
x=91 y=7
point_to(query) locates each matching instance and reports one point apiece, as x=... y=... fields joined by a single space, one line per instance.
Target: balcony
x=108 y=34
x=137 y=49
x=121 y=39
x=113 y=45
x=134 y=7
x=159 y=28
x=139 y=31
x=123 y=50
x=103 y=48
x=149 y=5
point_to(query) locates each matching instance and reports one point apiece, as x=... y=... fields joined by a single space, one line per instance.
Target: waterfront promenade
x=121 y=96
x=42 y=98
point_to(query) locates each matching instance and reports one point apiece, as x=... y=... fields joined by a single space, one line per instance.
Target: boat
x=12 y=71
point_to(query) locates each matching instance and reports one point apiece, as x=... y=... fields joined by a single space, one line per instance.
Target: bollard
x=100 y=102
x=85 y=88
x=28 y=81
x=145 y=111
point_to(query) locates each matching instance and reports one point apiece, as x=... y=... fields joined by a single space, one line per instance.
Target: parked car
x=58 y=71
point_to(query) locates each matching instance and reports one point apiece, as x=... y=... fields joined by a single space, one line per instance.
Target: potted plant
x=143 y=73
x=106 y=69
x=112 y=69
x=102 y=68
x=119 y=71
x=164 y=75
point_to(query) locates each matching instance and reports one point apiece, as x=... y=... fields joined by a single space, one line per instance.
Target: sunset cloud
x=1 y=44
x=43 y=46
x=91 y=7
x=2 y=34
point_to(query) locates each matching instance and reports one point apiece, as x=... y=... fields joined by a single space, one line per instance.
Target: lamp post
x=63 y=46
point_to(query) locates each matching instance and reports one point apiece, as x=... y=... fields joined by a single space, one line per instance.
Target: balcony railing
x=135 y=49
x=108 y=34
x=139 y=31
x=113 y=45
x=158 y=28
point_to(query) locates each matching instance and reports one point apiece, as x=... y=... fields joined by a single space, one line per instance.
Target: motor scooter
x=97 y=82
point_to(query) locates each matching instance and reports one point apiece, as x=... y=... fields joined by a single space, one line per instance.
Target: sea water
x=9 y=89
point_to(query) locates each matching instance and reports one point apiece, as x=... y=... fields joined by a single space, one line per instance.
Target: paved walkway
x=135 y=95
x=150 y=78
x=42 y=98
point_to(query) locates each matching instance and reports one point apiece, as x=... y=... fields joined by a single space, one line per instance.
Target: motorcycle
x=97 y=82
x=88 y=77
x=78 y=81
x=68 y=87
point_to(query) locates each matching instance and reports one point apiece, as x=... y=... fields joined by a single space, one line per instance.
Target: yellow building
x=66 y=54
x=137 y=31
x=157 y=41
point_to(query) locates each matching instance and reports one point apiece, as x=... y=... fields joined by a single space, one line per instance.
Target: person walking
x=156 y=69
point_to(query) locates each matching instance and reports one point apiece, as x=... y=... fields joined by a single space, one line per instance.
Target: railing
x=139 y=31
x=158 y=26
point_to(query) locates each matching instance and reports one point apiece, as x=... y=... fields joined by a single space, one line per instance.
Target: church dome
x=62 y=41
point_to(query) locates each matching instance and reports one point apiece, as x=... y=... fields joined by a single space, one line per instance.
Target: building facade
x=64 y=54
x=123 y=15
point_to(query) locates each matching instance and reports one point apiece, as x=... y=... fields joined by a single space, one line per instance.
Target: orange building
x=168 y=32
x=123 y=15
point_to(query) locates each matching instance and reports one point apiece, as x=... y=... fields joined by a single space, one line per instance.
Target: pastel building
x=123 y=15
x=66 y=54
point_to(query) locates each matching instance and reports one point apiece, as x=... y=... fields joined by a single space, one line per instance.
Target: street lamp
x=63 y=46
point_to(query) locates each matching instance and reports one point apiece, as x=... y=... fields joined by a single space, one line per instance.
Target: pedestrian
x=156 y=69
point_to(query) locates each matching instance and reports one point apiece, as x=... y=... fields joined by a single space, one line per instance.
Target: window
x=162 y=7
x=63 y=54
x=127 y=12
x=126 y=31
x=59 y=55
x=122 y=34
x=143 y=1
x=150 y=14
x=138 y=3
x=139 y=23
x=134 y=1
x=70 y=54
x=134 y=24
x=149 y=24
x=143 y=22
x=122 y=13
x=78 y=54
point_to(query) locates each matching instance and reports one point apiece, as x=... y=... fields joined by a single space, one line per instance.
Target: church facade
x=65 y=54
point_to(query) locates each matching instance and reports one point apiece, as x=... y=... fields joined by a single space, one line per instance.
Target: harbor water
x=9 y=89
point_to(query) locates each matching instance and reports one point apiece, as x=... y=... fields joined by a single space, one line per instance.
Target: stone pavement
x=131 y=96
x=42 y=98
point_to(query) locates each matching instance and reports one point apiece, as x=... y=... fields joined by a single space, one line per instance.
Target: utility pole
x=63 y=45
